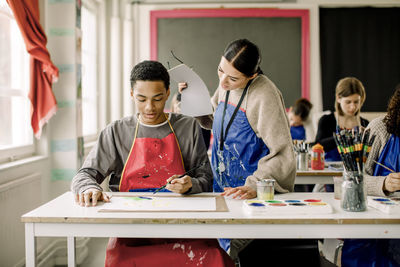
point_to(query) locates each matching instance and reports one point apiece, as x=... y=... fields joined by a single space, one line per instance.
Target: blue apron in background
x=332 y=155
x=376 y=252
x=298 y=132
x=241 y=153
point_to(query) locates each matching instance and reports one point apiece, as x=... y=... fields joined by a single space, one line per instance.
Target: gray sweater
x=111 y=151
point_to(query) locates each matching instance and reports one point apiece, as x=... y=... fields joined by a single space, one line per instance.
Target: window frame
x=13 y=153
x=93 y=6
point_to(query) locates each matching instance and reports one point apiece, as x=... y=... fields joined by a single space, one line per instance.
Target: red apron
x=150 y=163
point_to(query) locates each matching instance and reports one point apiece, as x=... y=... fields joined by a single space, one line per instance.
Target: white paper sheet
x=195 y=98
x=139 y=203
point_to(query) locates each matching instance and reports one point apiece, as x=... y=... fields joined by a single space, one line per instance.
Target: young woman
x=350 y=96
x=250 y=128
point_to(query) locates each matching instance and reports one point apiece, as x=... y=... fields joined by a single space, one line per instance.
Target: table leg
x=30 y=245
x=71 y=251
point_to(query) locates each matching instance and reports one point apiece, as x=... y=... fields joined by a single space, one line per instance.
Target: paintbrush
x=180 y=176
x=380 y=164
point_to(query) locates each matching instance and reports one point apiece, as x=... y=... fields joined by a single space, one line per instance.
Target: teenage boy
x=142 y=153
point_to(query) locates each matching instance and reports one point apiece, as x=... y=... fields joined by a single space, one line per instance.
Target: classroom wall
x=313 y=5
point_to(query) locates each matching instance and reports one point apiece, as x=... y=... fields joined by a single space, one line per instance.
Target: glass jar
x=265 y=189
x=353 y=192
x=302 y=161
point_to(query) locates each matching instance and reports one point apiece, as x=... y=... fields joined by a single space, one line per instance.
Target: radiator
x=16 y=198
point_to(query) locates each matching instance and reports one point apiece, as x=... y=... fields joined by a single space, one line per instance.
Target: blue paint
x=381 y=199
x=292 y=201
x=257 y=204
x=149 y=198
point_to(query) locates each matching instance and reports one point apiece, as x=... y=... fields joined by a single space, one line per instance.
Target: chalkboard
x=199 y=37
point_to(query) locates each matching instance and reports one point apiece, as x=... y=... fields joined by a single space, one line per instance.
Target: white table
x=61 y=217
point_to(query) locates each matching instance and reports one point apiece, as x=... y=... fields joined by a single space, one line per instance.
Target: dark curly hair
x=149 y=70
x=392 y=118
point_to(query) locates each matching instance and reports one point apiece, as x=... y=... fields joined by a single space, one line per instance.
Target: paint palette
x=384 y=204
x=286 y=206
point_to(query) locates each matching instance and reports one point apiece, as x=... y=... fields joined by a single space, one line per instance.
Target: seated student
x=176 y=108
x=298 y=115
x=142 y=153
x=380 y=182
x=350 y=96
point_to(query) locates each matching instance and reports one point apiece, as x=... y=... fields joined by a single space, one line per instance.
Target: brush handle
x=380 y=164
x=180 y=176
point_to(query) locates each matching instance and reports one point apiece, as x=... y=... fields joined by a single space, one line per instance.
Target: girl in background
x=298 y=115
x=349 y=98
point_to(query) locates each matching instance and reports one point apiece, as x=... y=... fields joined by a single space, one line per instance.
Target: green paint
x=273 y=201
x=139 y=198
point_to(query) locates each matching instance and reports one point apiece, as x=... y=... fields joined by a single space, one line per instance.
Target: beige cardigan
x=265 y=111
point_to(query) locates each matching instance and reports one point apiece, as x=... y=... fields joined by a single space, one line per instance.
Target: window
x=16 y=136
x=89 y=72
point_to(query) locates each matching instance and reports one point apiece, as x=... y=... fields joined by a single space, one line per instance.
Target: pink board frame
x=303 y=14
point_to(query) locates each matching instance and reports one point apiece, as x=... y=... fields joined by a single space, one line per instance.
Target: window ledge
x=20 y=162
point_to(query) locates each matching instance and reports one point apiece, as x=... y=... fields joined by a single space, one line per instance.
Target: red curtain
x=43 y=72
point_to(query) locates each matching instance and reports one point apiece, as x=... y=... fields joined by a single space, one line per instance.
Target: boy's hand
x=179 y=185
x=241 y=192
x=93 y=195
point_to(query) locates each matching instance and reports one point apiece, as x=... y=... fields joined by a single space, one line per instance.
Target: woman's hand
x=93 y=195
x=181 y=87
x=179 y=185
x=241 y=192
x=392 y=182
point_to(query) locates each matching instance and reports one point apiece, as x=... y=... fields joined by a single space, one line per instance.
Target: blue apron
x=242 y=150
x=376 y=252
x=241 y=153
x=298 y=132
